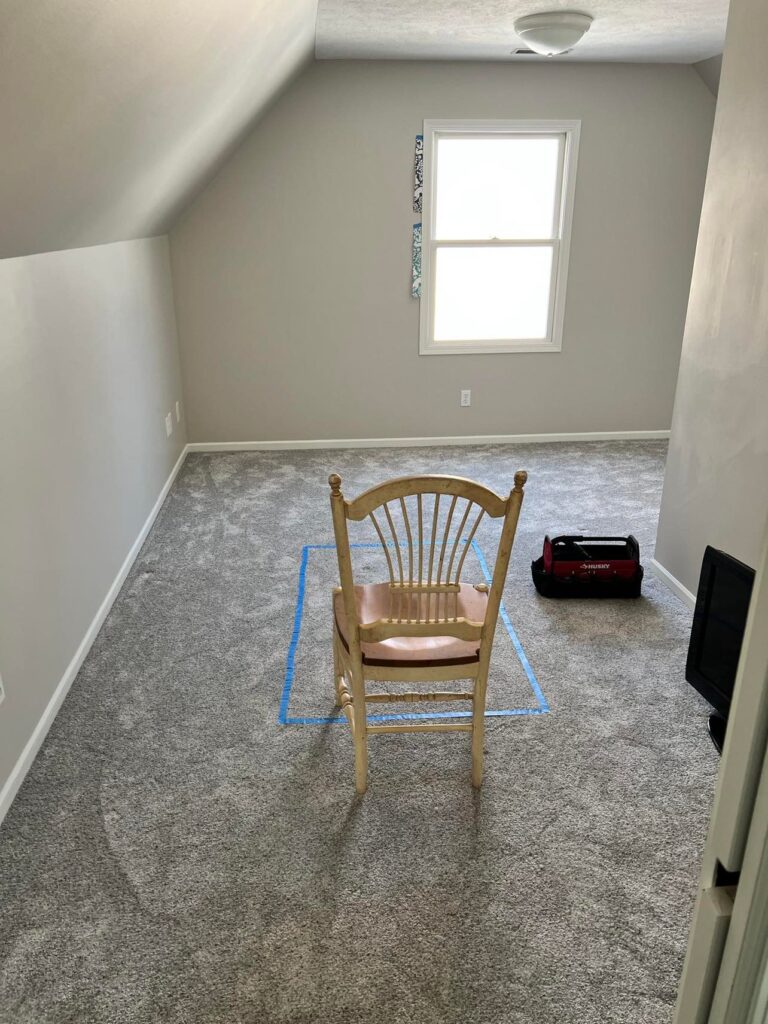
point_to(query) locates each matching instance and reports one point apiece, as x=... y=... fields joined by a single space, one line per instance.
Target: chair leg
x=361 y=757
x=478 y=734
x=359 y=733
x=337 y=668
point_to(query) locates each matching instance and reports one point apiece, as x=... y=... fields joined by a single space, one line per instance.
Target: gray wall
x=292 y=268
x=716 y=485
x=88 y=369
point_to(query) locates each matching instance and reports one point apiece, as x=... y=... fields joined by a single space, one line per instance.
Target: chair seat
x=375 y=601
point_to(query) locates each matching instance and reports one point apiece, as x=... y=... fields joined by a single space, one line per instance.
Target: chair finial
x=520 y=477
x=335 y=481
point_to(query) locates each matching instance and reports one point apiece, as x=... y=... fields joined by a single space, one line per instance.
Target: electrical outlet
x=168 y=425
x=178 y=412
x=2 y=691
x=466 y=398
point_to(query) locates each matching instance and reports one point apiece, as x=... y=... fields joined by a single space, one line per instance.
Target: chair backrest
x=426 y=526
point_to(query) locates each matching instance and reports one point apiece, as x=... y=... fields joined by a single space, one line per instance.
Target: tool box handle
x=630 y=541
x=573 y=536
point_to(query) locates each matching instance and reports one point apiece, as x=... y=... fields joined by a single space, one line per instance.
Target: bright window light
x=498 y=199
x=496 y=188
x=492 y=294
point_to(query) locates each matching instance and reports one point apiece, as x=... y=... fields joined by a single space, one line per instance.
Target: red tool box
x=574 y=566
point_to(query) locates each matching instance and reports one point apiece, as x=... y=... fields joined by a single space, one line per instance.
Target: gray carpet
x=177 y=855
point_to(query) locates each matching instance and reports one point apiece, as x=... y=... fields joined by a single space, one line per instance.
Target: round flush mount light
x=552 y=33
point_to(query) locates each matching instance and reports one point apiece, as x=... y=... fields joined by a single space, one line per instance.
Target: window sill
x=464 y=348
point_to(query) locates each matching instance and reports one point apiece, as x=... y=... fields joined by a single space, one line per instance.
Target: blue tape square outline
x=290 y=668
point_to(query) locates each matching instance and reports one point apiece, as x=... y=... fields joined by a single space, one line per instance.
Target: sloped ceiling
x=112 y=112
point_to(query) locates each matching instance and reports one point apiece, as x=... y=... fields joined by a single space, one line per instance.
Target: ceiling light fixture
x=553 y=33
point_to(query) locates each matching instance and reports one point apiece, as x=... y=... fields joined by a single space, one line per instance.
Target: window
x=498 y=198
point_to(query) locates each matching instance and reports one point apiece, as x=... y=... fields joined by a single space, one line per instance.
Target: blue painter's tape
x=290 y=670
x=543 y=705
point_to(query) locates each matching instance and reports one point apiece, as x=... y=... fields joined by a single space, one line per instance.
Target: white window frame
x=561 y=241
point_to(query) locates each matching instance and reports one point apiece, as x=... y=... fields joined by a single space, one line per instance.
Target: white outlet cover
x=2 y=691
x=168 y=425
x=465 y=398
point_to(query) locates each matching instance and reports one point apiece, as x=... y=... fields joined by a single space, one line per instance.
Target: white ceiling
x=113 y=111
x=677 y=31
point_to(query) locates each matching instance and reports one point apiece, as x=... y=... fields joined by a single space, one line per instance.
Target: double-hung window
x=498 y=200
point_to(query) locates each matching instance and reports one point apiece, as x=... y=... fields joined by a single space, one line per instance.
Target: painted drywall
x=716 y=484
x=113 y=113
x=292 y=268
x=710 y=72
x=88 y=370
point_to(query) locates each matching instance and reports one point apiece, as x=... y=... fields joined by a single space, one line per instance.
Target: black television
x=722 y=603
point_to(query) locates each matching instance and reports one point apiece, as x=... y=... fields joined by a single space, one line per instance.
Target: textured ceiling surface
x=681 y=31
x=113 y=111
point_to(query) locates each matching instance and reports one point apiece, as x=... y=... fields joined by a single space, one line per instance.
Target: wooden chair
x=424 y=625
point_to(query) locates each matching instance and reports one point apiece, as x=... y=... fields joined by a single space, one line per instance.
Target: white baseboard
x=24 y=763
x=420 y=442
x=674 y=584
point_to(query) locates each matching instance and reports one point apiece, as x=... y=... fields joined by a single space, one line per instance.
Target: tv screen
x=722 y=603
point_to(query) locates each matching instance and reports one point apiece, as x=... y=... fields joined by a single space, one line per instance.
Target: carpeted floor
x=177 y=855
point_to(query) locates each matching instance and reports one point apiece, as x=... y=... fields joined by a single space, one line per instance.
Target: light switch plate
x=2 y=691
